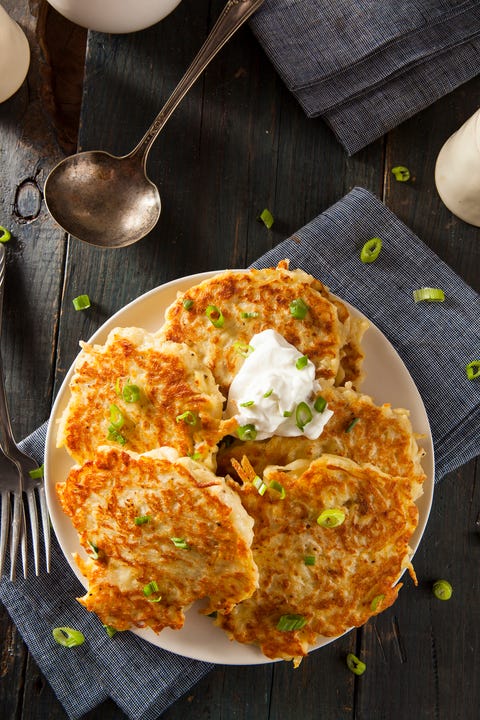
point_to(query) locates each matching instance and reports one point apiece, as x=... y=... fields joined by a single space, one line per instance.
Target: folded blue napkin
x=365 y=67
x=435 y=343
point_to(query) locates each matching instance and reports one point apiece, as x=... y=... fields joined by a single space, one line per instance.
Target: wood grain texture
x=238 y=143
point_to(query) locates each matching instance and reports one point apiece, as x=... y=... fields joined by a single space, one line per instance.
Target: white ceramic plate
x=387 y=380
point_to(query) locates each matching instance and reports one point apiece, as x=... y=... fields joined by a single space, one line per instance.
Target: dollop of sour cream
x=272 y=383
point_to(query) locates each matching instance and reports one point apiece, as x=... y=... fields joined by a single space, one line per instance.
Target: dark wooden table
x=238 y=143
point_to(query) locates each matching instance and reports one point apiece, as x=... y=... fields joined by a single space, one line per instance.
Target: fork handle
x=7 y=441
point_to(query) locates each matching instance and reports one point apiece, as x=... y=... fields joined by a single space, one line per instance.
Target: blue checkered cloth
x=435 y=340
x=365 y=67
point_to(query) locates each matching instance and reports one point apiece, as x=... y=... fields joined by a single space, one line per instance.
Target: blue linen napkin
x=435 y=344
x=365 y=67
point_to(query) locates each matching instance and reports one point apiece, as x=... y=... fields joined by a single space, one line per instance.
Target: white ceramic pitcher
x=457 y=171
x=114 y=16
x=14 y=56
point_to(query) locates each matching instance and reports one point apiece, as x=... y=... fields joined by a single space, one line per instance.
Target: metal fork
x=31 y=486
x=11 y=526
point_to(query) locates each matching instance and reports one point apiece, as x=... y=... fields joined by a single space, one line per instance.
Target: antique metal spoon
x=110 y=201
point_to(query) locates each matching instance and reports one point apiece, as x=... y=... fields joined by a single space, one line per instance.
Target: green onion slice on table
x=401 y=173
x=36 y=472
x=110 y=630
x=267 y=218
x=81 y=302
x=5 y=235
x=371 y=250
x=68 y=637
x=442 y=589
x=473 y=369
x=355 y=665
x=429 y=293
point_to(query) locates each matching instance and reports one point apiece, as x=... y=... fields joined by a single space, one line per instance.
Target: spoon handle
x=233 y=15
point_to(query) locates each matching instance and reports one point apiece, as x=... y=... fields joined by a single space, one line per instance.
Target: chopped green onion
x=330 y=518
x=355 y=665
x=142 y=519
x=258 y=483
x=248 y=315
x=287 y=413
x=180 y=543
x=287 y=623
x=195 y=456
x=187 y=303
x=428 y=293
x=298 y=308
x=151 y=588
x=351 y=425
x=110 y=630
x=320 y=404
x=309 y=559
x=267 y=218
x=131 y=393
x=215 y=316
x=117 y=420
x=82 y=302
x=249 y=403
x=371 y=250
x=278 y=487
x=473 y=369
x=401 y=173
x=187 y=417
x=5 y=235
x=94 y=550
x=376 y=602
x=302 y=362
x=243 y=349
x=36 y=473
x=268 y=393
x=442 y=590
x=115 y=436
x=247 y=432
x=68 y=637
x=303 y=415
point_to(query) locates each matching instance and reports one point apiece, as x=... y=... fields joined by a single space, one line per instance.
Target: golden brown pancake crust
x=181 y=499
x=172 y=381
x=355 y=564
x=358 y=429
x=267 y=294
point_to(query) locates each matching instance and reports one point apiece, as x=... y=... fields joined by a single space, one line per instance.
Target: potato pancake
x=219 y=316
x=358 y=429
x=164 y=532
x=330 y=541
x=142 y=393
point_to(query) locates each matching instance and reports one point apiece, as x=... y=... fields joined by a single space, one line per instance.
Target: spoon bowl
x=102 y=199
x=109 y=201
